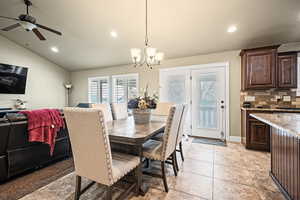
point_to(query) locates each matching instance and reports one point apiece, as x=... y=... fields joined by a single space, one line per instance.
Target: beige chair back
x=105 y=107
x=182 y=123
x=90 y=144
x=171 y=131
x=119 y=110
x=162 y=108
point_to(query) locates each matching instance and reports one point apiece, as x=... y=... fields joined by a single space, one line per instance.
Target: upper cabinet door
x=259 y=68
x=287 y=70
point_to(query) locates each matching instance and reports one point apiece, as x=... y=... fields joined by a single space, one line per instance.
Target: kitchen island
x=285 y=151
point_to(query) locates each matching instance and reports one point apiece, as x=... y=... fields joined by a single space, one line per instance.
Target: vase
x=141 y=116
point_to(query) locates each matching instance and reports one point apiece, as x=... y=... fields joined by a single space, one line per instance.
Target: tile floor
x=208 y=172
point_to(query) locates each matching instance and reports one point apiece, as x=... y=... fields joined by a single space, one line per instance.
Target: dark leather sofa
x=17 y=155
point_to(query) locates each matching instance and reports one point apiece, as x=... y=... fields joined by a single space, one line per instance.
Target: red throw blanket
x=43 y=126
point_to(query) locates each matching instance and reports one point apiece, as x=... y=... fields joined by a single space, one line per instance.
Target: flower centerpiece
x=142 y=105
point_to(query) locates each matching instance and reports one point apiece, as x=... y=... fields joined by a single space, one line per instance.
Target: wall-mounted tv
x=12 y=79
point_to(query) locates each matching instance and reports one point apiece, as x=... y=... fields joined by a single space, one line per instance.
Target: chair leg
x=108 y=193
x=78 y=188
x=181 y=151
x=148 y=163
x=138 y=177
x=174 y=163
x=164 y=176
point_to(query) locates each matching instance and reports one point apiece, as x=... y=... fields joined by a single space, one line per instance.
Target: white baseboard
x=235 y=139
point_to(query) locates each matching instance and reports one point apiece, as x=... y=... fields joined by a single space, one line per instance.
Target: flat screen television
x=12 y=79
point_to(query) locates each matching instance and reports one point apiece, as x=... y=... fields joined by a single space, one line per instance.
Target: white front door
x=208 y=102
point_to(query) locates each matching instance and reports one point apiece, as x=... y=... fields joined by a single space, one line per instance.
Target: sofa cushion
x=4 y=131
x=3 y=168
x=23 y=159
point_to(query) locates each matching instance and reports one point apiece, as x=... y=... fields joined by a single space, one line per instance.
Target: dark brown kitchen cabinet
x=259 y=68
x=255 y=134
x=259 y=135
x=287 y=70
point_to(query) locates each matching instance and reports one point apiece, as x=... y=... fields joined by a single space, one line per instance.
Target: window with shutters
x=99 y=90
x=125 y=87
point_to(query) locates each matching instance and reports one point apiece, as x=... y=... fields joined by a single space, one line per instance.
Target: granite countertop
x=272 y=109
x=289 y=122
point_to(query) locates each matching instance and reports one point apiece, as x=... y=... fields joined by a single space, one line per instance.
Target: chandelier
x=149 y=55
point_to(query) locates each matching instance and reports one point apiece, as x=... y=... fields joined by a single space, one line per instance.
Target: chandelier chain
x=148 y=56
x=146 y=37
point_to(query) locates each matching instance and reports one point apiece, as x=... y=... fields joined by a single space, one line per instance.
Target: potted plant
x=142 y=105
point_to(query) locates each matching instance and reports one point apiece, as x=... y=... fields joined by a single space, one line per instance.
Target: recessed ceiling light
x=114 y=34
x=54 y=49
x=232 y=29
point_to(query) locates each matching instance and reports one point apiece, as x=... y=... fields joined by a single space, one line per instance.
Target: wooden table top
x=127 y=132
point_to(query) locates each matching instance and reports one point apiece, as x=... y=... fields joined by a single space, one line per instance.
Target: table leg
x=143 y=186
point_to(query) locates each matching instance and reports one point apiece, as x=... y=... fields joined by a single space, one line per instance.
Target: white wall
x=45 y=79
x=79 y=79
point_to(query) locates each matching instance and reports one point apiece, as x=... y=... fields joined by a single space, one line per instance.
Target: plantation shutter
x=124 y=88
x=98 y=90
x=132 y=89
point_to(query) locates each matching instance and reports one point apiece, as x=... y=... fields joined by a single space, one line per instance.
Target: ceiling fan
x=28 y=23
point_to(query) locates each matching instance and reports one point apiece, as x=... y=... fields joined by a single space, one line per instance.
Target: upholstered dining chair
x=92 y=154
x=162 y=150
x=106 y=109
x=181 y=132
x=119 y=110
x=162 y=108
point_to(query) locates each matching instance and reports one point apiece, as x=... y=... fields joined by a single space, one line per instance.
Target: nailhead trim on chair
x=107 y=152
x=167 y=132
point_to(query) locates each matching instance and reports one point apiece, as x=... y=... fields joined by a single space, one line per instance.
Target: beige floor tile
x=224 y=190
x=233 y=174
x=197 y=167
x=155 y=194
x=203 y=146
x=262 y=180
x=234 y=159
x=194 y=184
x=270 y=195
x=204 y=155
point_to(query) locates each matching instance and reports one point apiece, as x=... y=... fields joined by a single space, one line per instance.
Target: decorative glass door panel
x=208 y=94
x=207 y=102
x=175 y=88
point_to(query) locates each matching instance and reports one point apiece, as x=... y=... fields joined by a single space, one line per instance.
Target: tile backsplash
x=271 y=98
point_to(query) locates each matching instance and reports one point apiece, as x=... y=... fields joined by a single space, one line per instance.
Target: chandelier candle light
x=150 y=57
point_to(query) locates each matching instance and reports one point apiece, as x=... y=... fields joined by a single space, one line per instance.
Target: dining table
x=125 y=132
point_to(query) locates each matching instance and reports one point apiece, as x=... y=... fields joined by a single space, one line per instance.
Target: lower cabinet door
x=259 y=136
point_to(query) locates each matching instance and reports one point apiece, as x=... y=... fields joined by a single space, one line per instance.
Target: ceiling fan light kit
x=27 y=26
x=28 y=23
x=149 y=56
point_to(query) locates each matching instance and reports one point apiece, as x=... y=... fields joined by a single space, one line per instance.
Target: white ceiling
x=178 y=27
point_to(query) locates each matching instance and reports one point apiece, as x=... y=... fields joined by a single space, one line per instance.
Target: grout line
x=188 y=193
x=213 y=175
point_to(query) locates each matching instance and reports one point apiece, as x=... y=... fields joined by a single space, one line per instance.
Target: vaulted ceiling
x=177 y=27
